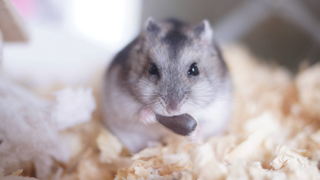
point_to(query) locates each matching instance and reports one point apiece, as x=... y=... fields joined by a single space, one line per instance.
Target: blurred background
x=65 y=41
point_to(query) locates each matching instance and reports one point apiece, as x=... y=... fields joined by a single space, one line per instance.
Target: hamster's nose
x=172 y=106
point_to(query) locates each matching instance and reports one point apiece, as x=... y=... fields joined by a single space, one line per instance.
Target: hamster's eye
x=193 y=70
x=153 y=70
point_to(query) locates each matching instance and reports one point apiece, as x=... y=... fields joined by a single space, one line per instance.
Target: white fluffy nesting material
x=29 y=126
x=14 y=176
x=73 y=107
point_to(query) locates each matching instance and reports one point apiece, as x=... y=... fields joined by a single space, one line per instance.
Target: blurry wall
x=80 y=36
x=268 y=34
x=190 y=10
x=69 y=40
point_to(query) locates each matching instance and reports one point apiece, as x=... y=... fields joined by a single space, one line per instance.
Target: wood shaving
x=274 y=134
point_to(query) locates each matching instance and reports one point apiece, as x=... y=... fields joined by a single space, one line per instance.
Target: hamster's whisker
x=200 y=107
x=231 y=99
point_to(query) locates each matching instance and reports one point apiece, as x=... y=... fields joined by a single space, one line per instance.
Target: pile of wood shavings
x=274 y=134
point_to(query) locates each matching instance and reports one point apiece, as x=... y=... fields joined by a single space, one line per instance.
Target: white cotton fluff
x=29 y=126
x=73 y=107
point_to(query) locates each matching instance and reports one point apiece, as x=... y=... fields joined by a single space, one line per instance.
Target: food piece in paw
x=183 y=125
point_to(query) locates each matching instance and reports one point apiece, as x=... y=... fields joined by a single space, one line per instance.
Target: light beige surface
x=11 y=24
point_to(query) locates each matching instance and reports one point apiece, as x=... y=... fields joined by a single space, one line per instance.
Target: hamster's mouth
x=183 y=124
x=171 y=114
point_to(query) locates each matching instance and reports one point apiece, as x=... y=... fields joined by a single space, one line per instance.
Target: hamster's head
x=176 y=68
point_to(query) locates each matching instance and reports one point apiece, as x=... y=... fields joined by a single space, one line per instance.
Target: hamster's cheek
x=146 y=90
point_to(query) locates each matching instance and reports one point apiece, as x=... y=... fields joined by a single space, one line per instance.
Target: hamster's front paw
x=196 y=134
x=147 y=116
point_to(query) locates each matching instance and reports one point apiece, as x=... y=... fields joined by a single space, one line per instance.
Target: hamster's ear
x=204 y=32
x=151 y=26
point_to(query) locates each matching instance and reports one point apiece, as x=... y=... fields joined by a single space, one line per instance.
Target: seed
x=183 y=124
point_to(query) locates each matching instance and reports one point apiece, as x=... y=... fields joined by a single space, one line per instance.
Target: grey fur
x=172 y=46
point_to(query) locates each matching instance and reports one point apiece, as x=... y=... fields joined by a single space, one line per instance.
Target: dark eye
x=193 y=70
x=153 y=70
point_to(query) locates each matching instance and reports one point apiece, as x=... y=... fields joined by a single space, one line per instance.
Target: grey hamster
x=170 y=68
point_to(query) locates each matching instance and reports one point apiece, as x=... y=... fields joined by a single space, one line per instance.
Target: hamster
x=170 y=68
